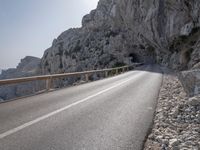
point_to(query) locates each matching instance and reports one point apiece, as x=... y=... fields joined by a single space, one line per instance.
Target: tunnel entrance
x=151 y=55
x=133 y=58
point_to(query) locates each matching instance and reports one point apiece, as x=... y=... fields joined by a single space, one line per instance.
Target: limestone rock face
x=124 y=31
x=29 y=66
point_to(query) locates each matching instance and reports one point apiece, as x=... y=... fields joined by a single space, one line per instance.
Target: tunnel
x=133 y=57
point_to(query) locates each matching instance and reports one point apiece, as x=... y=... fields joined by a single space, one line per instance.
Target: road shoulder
x=177 y=118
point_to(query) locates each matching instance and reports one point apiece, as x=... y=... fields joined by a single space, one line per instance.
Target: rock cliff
x=120 y=32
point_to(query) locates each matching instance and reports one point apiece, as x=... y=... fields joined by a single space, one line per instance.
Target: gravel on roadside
x=176 y=124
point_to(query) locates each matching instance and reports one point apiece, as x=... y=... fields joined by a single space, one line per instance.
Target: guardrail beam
x=49 y=78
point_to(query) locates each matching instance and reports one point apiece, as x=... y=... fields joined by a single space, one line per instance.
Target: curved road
x=110 y=114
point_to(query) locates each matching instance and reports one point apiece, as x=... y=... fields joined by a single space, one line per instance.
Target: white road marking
x=12 y=131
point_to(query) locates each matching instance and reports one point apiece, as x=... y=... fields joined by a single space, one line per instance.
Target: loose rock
x=177 y=119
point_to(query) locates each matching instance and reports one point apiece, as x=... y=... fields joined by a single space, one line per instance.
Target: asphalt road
x=110 y=114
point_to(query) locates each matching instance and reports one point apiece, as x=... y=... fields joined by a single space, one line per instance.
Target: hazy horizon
x=28 y=27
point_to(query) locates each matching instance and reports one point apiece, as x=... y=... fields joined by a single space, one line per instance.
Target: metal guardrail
x=49 y=78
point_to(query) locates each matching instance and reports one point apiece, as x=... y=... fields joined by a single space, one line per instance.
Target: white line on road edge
x=12 y=131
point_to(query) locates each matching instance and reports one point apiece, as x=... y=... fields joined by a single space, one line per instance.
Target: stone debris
x=177 y=119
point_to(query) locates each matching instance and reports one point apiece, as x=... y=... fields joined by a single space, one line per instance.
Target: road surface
x=110 y=114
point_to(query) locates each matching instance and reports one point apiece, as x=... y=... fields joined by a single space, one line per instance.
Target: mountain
x=28 y=66
x=120 y=32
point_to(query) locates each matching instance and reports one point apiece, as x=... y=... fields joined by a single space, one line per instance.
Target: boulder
x=191 y=82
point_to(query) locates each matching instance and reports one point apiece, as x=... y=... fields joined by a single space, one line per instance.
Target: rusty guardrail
x=49 y=78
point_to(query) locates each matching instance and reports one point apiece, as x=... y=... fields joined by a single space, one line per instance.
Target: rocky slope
x=27 y=67
x=124 y=31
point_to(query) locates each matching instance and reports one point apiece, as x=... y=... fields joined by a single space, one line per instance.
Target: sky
x=28 y=27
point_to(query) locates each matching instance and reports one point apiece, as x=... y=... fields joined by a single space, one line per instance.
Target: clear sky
x=28 y=27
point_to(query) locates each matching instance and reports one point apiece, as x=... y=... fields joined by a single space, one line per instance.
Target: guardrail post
x=123 y=70
x=48 y=83
x=106 y=74
x=86 y=77
x=116 y=71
